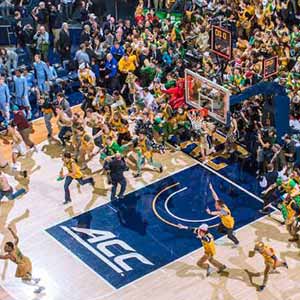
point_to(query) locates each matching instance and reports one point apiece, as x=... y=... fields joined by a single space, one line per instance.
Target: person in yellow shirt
x=86 y=146
x=24 y=266
x=291 y=221
x=271 y=260
x=227 y=221
x=73 y=173
x=208 y=243
x=127 y=63
x=121 y=125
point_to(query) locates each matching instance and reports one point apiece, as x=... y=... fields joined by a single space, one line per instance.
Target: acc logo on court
x=101 y=243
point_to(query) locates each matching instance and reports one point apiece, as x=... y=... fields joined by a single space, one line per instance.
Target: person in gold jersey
x=209 y=246
x=24 y=266
x=73 y=173
x=227 y=221
x=271 y=260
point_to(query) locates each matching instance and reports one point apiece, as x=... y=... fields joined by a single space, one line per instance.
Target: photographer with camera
x=42 y=42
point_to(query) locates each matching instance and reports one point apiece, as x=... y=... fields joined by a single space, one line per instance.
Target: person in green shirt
x=111 y=148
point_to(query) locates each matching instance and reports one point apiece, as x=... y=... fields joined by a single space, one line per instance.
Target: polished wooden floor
x=67 y=278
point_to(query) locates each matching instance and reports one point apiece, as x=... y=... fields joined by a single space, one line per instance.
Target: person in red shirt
x=23 y=126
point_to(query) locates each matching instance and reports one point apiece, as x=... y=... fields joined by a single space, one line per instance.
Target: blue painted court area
x=123 y=242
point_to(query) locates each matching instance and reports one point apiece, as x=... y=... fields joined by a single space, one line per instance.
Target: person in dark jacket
x=64 y=42
x=56 y=21
x=116 y=168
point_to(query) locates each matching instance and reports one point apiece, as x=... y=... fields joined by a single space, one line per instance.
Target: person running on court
x=227 y=221
x=73 y=173
x=208 y=243
x=271 y=260
x=24 y=266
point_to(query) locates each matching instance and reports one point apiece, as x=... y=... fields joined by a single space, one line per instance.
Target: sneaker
x=209 y=271
x=160 y=169
x=15 y=167
x=221 y=269
x=285 y=265
x=93 y=182
x=39 y=290
x=261 y=288
x=36 y=280
x=264 y=212
x=66 y=202
x=294 y=239
x=137 y=175
x=234 y=246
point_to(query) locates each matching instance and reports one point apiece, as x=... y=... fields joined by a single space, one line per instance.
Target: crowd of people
x=131 y=76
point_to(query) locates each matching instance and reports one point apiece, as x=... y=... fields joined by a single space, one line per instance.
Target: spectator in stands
x=4 y=99
x=64 y=43
x=289 y=149
x=5 y=7
x=85 y=34
x=41 y=15
x=55 y=21
x=41 y=73
x=111 y=69
x=27 y=38
x=81 y=56
x=117 y=51
x=17 y=26
x=21 y=92
x=42 y=42
x=8 y=59
x=67 y=6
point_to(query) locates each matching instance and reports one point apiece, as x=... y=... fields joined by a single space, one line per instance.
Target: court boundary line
x=235 y=184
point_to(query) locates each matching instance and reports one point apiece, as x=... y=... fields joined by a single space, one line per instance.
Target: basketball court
x=93 y=249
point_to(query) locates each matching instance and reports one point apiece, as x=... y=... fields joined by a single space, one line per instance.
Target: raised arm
x=213 y=192
x=14 y=236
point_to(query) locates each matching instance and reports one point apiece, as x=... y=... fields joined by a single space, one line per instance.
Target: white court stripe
x=182 y=219
x=234 y=184
x=95 y=252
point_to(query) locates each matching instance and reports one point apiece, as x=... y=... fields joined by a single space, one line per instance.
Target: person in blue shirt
x=42 y=73
x=30 y=80
x=111 y=66
x=52 y=72
x=168 y=57
x=4 y=99
x=117 y=51
x=95 y=68
x=21 y=92
x=111 y=70
x=81 y=56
